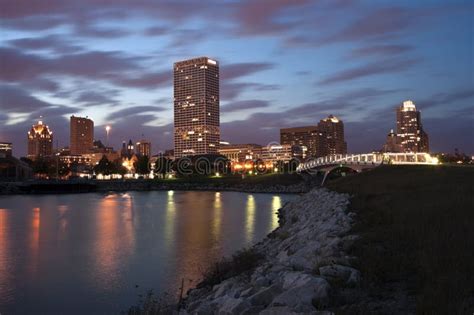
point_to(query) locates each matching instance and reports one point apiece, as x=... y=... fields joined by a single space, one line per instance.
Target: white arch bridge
x=360 y=162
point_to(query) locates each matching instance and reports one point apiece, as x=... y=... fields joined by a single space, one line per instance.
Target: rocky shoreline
x=305 y=268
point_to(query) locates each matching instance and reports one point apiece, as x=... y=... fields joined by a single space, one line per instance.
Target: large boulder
x=303 y=292
x=265 y=296
x=345 y=274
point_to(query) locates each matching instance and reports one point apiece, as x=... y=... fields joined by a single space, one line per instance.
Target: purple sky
x=283 y=63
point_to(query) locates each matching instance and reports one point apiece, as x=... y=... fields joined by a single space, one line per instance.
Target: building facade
x=391 y=144
x=40 y=141
x=241 y=152
x=410 y=134
x=196 y=107
x=332 y=130
x=277 y=152
x=6 y=149
x=81 y=135
x=143 y=148
x=309 y=140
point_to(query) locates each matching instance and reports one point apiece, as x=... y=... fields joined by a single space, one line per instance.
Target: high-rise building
x=333 y=129
x=81 y=135
x=40 y=141
x=308 y=139
x=410 y=134
x=196 y=107
x=143 y=148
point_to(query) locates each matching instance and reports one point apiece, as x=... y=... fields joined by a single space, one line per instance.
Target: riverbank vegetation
x=417 y=234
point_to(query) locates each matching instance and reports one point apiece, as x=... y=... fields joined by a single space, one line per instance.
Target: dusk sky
x=283 y=63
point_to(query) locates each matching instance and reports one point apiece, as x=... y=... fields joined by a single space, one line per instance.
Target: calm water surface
x=85 y=253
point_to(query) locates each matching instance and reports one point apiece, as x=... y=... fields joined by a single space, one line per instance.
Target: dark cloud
x=370 y=69
x=263 y=17
x=379 y=22
x=87 y=30
x=242 y=105
x=41 y=84
x=15 y=99
x=231 y=90
x=113 y=67
x=156 y=31
x=147 y=81
x=135 y=110
x=50 y=42
x=383 y=50
x=91 y=98
x=448 y=98
x=236 y=70
x=17 y=66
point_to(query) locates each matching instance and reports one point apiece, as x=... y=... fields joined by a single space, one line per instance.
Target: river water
x=95 y=253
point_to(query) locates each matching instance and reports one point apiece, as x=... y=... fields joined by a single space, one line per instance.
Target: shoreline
x=303 y=265
x=74 y=187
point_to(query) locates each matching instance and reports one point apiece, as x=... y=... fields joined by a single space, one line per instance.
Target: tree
x=41 y=167
x=142 y=165
x=119 y=168
x=104 y=167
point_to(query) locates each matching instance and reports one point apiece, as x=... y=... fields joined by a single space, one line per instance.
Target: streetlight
x=107 y=129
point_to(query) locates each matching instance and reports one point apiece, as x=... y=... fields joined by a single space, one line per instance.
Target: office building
x=81 y=135
x=196 y=107
x=410 y=134
x=308 y=140
x=277 y=152
x=143 y=148
x=40 y=141
x=332 y=130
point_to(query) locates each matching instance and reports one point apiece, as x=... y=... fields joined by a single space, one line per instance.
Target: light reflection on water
x=58 y=251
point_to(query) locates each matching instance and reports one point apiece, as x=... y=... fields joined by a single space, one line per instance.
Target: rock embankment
x=304 y=264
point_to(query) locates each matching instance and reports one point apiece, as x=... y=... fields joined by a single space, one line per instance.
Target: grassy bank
x=417 y=233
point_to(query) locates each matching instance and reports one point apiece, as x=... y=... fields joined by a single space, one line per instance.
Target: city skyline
x=284 y=64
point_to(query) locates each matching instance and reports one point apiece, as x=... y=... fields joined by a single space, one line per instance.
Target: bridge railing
x=369 y=158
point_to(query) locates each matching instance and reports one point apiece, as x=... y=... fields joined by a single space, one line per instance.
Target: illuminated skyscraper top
x=40 y=141
x=196 y=107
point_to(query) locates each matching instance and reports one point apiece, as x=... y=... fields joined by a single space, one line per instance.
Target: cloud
x=264 y=17
x=87 y=30
x=242 y=105
x=53 y=43
x=97 y=98
x=146 y=81
x=15 y=99
x=382 y=50
x=370 y=69
x=379 y=22
x=135 y=110
x=237 y=70
x=156 y=31
x=447 y=98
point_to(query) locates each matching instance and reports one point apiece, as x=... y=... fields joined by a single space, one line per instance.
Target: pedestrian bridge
x=359 y=162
